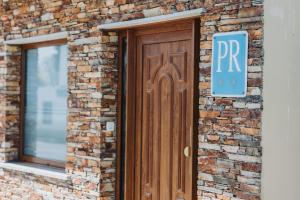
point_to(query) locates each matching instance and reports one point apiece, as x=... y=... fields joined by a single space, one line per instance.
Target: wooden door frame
x=131 y=80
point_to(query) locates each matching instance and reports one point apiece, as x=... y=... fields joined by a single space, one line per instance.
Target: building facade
x=229 y=130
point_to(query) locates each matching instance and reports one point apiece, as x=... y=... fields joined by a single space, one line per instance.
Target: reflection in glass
x=46 y=103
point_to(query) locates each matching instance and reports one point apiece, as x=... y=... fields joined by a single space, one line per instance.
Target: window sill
x=36 y=169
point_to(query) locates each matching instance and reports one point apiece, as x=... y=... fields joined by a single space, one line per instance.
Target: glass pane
x=46 y=103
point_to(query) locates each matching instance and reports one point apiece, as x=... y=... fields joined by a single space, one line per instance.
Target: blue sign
x=229 y=64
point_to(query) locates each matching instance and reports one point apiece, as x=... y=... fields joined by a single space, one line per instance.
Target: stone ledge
x=36 y=39
x=36 y=169
x=153 y=20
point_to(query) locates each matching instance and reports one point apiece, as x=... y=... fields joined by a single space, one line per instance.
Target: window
x=44 y=97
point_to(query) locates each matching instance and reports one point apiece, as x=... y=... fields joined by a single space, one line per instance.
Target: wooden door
x=164 y=148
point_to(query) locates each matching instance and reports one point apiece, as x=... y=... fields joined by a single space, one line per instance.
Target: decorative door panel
x=166 y=120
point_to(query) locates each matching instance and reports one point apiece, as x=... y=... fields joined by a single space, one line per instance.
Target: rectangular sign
x=229 y=64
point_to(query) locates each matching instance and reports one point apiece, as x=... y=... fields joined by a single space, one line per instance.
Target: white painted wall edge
x=152 y=20
x=35 y=39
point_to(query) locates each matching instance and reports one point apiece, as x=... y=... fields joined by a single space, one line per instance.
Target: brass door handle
x=147 y=194
x=186 y=151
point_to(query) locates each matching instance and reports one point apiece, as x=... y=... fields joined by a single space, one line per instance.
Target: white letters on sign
x=233 y=46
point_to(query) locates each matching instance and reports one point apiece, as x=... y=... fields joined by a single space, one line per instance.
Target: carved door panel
x=166 y=84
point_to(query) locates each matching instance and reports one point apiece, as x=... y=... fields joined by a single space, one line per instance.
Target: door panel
x=165 y=119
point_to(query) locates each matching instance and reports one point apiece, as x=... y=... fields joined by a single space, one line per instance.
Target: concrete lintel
x=153 y=20
x=35 y=39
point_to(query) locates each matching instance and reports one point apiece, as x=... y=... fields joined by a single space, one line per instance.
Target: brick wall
x=229 y=131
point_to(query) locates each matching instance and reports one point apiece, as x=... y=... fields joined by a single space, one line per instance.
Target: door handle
x=147 y=194
x=186 y=151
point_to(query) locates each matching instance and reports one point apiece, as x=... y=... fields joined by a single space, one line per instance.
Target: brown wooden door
x=164 y=116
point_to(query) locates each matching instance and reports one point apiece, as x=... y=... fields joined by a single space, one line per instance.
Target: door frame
x=131 y=80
